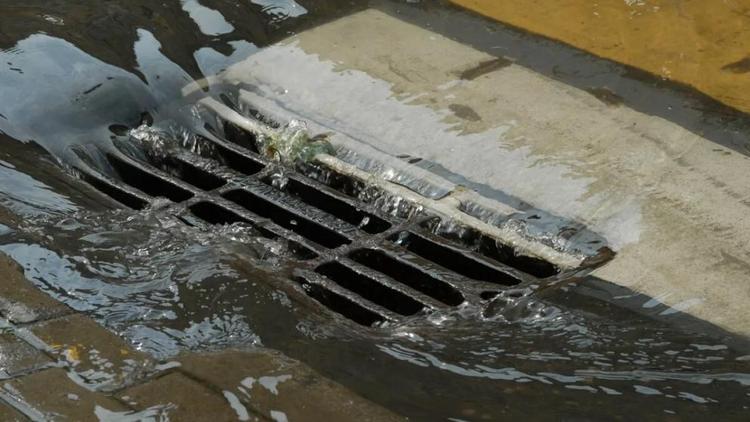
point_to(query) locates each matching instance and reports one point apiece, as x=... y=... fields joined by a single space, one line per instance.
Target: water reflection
x=210 y=21
x=64 y=96
x=24 y=195
x=281 y=9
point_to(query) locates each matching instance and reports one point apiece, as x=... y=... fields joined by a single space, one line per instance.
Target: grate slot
x=539 y=268
x=147 y=182
x=301 y=225
x=408 y=275
x=340 y=304
x=370 y=289
x=341 y=183
x=326 y=202
x=241 y=163
x=216 y=214
x=115 y=192
x=197 y=177
x=453 y=259
x=369 y=194
x=491 y=248
x=241 y=137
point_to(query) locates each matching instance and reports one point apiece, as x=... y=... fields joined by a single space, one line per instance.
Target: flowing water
x=77 y=74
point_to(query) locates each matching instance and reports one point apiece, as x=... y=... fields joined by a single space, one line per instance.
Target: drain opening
x=147 y=182
x=408 y=275
x=341 y=304
x=283 y=217
x=491 y=248
x=241 y=137
x=368 y=222
x=489 y=294
x=369 y=289
x=189 y=173
x=215 y=214
x=387 y=281
x=453 y=260
x=241 y=163
x=368 y=194
x=339 y=182
x=119 y=195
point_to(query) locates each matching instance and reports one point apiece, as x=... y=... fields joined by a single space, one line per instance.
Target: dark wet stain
x=606 y=96
x=484 y=68
x=409 y=159
x=147 y=119
x=465 y=112
x=740 y=66
x=398 y=72
x=721 y=151
x=119 y=130
x=92 y=89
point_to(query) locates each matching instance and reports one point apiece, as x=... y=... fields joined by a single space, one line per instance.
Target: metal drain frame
x=382 y=270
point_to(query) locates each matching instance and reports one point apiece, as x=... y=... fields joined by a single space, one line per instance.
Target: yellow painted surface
x=701 y=43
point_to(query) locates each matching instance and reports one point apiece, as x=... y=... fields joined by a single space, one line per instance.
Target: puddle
x=587 y=349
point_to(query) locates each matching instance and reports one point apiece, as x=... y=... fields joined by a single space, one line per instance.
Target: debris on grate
x=372 y=237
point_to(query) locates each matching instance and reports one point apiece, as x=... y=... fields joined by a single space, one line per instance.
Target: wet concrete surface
x=215 y=301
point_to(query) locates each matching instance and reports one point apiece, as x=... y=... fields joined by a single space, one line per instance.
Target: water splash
x=293 y=144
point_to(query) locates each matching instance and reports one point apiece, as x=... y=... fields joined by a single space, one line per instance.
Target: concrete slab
x=272 y=385
x=33 y=396
x=9 y=414
x=102 y=359
x=673 y=204
x=183 y=399
x=18 y=357
x=21 y=301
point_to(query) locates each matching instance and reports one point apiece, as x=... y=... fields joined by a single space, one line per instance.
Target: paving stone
x=51 y=395
x=97 y=355
x=20 y=300
x=8 y=414
x=7 y=218
x=182 y=399
x=17 y=356
x=278 y=387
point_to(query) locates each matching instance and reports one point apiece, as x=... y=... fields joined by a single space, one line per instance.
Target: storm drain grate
x=352 y=256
